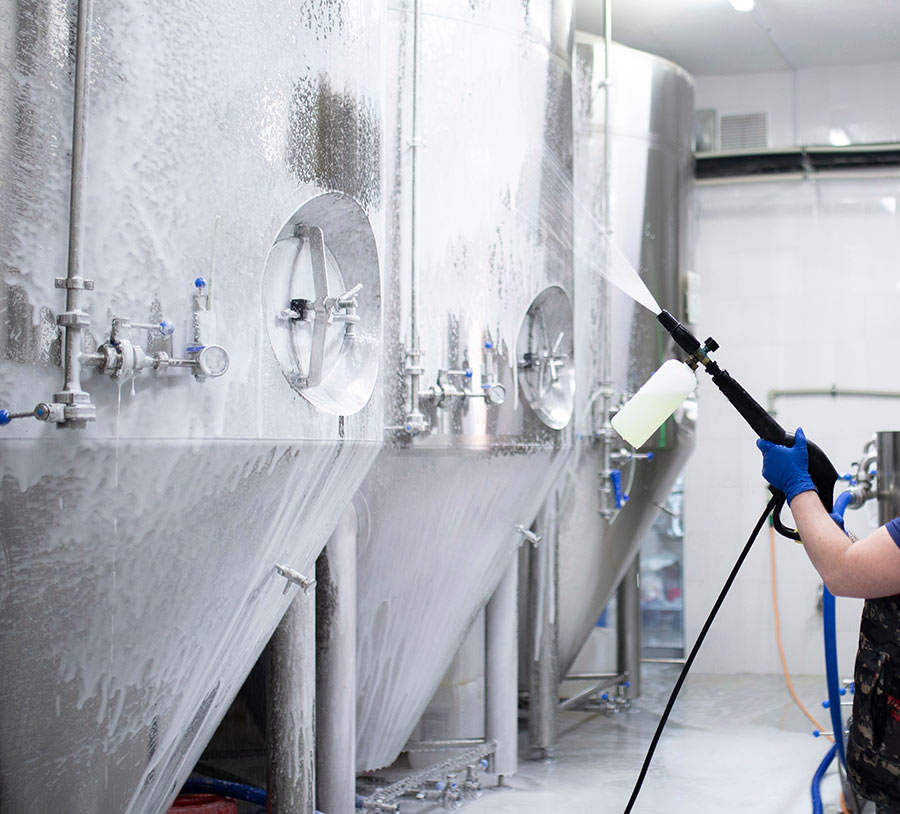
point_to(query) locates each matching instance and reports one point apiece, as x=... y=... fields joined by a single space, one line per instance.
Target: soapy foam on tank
x=118 y=547
x=106 y=684
x=485 y=229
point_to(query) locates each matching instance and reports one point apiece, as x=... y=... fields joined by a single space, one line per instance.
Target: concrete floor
x=733 y=744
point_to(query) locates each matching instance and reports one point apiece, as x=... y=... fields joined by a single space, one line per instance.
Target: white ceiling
x=710 y=37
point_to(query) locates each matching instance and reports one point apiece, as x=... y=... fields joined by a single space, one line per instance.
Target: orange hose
x=787 y=676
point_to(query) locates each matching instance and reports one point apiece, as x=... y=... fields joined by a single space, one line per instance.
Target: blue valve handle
x=615 y=478
x=166 y=328
x=200 y=282
x=6 y=416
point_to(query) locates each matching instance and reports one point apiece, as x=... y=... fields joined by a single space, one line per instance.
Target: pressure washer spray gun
x=674 y=381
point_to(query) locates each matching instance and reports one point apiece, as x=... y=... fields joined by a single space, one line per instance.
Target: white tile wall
x=801 y=287
x=803 y=107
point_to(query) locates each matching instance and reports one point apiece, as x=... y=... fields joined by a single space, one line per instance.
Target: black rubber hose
x=696 y=649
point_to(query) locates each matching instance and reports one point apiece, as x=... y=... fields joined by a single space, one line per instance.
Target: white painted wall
x=801 y=287
x=804 y=106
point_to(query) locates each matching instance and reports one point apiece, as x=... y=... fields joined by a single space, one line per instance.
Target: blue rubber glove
x=787 y=468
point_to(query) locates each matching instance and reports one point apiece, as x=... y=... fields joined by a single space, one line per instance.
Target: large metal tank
x=887 y=446
x=633 y=171
x=138 y=554
x=480 y=279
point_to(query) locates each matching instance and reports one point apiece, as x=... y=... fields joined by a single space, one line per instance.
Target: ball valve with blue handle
x=42 y=412
x=615 y=478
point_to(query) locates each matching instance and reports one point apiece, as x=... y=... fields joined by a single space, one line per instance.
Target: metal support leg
x=502 y=672
x=291 y=706
x=336 y=668
x=543 y=725
x=628 y=628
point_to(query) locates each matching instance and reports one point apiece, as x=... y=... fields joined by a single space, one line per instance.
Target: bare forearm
x=825 y=544
x=867 y=568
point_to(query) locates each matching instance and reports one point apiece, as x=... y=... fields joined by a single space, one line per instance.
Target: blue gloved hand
x=787 y=468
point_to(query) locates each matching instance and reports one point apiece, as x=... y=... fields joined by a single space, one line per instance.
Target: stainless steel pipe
x=543 y=614
x=888 y=451
x=628 y=628
x=291 y=709
x=502 y=672
x=74 y=320
x=336 y=668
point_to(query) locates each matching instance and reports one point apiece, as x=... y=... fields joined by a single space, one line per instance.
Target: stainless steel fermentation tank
x=147 y=545
x=633 y=173
x=478 y=364
x=887 y=448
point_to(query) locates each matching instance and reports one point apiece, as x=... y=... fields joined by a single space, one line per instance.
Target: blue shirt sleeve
x=893 y=528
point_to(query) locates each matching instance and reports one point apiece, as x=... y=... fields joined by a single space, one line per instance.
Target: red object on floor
x=202 y=804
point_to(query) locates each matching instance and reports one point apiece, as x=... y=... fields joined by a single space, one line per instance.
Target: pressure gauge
x=495 y=393
x=213 y=361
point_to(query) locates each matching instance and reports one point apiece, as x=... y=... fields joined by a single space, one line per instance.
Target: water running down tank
x=645 y=145
x=482 y=235
x=138 y=555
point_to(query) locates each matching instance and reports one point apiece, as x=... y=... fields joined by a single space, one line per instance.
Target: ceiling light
x=742 y=5
x=838 y=137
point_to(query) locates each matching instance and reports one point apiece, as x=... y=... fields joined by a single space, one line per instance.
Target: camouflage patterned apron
x=873 y=748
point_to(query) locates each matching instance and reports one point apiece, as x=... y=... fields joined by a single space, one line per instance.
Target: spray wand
x=821 y=470
x=662 y=394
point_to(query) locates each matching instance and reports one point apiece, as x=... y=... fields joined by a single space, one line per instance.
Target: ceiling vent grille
x=744 y=131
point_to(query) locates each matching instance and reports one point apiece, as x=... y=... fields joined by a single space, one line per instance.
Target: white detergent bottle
x=660 y=396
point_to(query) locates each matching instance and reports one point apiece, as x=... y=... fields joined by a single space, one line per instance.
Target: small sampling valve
x=618 y=701
x=862 y=480
x=294 y=577
x=612 y=495
x=457 y=384
x=611 y=481
x=528 y=536
x=447 y=792
x=494 y=392
x=452 y=386
x=121 y=358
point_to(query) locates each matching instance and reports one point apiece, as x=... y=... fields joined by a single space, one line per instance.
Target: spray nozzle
x=682 y=336
x=687 y=341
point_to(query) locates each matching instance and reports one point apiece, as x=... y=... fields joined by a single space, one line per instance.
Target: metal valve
x=295 y=578
x=472 y=788
x=120 y=358
x=42 y=413
x=528 y=536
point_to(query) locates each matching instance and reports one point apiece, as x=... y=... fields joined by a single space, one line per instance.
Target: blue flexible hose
x=237 y=791
x=829 y=629
x=817 y=779
x=831 y=673
x=841 y=502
